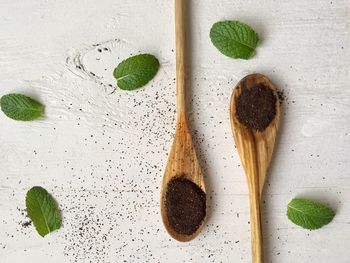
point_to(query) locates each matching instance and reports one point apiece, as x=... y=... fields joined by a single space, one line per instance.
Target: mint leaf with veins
x=20 y=107
x=43 y=210
x=234 y=39
x=136 y=71
x=309 y=214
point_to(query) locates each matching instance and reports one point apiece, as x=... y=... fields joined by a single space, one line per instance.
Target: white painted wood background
x=102 y=153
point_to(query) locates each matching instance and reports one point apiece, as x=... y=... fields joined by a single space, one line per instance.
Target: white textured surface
x=102 y=154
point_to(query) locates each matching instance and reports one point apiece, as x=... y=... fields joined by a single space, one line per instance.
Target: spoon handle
x=252 y=168
x=253 y=172
x=255 y=220
x=180 y=57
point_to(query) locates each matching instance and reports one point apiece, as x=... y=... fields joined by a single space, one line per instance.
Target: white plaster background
x=102 y=153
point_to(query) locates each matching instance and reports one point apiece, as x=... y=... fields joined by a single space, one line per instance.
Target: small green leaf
x=42 y=210
x=136 y=71
x=20 y=107
x=234 y=39
x=309 y=214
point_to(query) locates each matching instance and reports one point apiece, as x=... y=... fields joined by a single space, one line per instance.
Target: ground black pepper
x=256 y=107
x=185 y=204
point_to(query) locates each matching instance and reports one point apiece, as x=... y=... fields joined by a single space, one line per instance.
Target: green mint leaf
x=136 y=71
x=42 y=210
x=20 y=107
x=309 y=214
x=234 y=39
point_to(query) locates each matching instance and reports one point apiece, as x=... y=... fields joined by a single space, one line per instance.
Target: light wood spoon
x=182 y=160
x=255 y=150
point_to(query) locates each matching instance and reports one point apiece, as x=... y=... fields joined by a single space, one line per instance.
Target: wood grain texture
x=102 y=154
x=255 y=149
x=180 y=42
x=182 y=159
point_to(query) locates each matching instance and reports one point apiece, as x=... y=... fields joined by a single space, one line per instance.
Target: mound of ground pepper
x=256 y=107
x=185 y=204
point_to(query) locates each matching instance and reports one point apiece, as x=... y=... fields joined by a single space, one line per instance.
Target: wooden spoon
x=255 y=149
x=182 y=159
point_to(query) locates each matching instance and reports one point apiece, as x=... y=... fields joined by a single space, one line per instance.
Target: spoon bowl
x=182 y=162
x=255 y=149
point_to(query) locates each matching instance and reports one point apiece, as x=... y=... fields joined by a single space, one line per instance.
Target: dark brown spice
x=256 y=107
x=26 y=224
x=185 y=204
x=281 y=96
